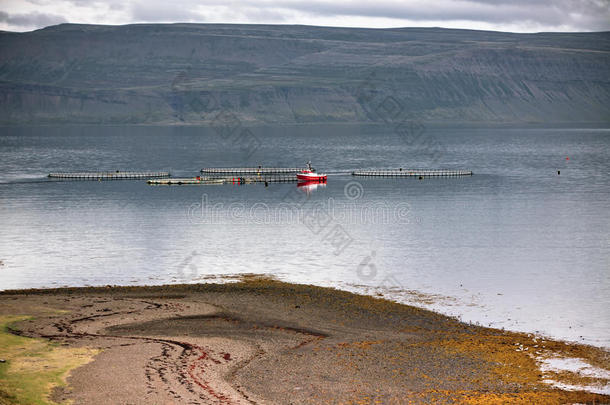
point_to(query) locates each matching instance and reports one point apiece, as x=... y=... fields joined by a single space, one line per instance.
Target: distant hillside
x=188 y=73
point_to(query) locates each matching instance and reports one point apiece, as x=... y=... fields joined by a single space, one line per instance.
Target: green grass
x=34 y=366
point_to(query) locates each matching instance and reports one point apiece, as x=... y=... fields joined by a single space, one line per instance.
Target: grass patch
x=34 y=366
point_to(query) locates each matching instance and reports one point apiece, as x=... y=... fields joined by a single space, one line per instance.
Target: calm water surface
x=514 y=246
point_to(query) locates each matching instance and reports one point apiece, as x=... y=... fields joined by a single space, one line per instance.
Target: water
x=514 y=246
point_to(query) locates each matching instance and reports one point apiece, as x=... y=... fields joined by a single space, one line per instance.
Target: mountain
x=189 y=73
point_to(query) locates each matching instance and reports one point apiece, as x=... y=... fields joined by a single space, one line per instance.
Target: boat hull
x=312 y=178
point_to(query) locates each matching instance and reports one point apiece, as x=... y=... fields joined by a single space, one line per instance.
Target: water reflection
x=309 y=187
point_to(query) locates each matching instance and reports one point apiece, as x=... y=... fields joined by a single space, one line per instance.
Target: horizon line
x=307 y=25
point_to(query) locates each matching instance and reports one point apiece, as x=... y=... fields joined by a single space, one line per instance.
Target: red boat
x=310 y=175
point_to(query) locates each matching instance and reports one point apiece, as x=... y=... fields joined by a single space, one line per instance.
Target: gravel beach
x=265 y=342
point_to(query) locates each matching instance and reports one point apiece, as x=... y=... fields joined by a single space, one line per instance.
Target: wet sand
x=263 y=341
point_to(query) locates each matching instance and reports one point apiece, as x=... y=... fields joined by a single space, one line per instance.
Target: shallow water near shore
x=515 y=246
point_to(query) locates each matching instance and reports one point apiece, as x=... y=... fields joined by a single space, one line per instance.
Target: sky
x=497 y=15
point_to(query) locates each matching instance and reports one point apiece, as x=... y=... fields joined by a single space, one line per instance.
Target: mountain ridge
x=285 y=74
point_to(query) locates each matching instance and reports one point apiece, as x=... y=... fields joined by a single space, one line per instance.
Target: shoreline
x=434 y=302
x=265 y=341
x=583 y=125
x=420 y=300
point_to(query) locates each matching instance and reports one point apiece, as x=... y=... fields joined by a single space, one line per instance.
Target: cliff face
x=188 y=73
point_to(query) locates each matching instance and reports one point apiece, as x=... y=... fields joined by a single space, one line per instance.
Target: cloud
x=31 y=20
x=579 y=14
x=515 y=15
x=148 y=11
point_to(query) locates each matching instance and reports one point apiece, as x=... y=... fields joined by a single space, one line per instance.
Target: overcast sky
x=515 y=15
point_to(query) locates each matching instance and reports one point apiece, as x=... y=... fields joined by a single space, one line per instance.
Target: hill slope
x=187 y=73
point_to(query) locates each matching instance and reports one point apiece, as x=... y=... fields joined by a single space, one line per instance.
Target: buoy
x=421 y=177
x=558 y=172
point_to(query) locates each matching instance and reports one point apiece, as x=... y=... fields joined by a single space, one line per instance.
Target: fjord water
x=515 y=246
